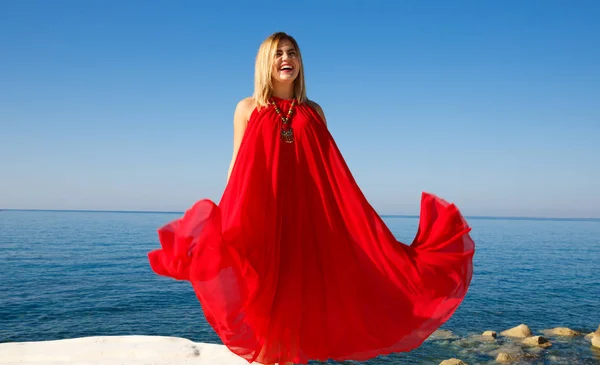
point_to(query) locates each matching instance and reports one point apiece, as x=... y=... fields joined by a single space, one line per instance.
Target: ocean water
x=69 y=274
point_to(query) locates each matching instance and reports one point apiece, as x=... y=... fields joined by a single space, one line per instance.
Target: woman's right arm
x=243 y=110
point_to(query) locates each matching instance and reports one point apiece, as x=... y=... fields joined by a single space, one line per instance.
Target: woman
x=294 y=264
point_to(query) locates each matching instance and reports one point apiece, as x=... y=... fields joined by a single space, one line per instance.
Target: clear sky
x=128 y=105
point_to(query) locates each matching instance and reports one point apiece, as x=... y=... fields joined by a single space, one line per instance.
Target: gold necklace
x=287 y=133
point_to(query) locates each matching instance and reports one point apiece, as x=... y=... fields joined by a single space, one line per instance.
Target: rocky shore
x=518 y=345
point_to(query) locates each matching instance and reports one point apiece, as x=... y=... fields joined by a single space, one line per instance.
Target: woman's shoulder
x=243 y=112
x=244 y=109
x=313 y=104
x=246 y=105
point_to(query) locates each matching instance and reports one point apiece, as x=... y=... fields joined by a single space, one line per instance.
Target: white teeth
x=286 y=67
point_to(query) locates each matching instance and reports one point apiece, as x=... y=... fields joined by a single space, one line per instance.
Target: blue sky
x=494 y=105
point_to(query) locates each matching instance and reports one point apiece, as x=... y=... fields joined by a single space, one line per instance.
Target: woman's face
x=286 y=65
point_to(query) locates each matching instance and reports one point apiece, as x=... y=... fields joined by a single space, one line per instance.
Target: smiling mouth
x=287 y=68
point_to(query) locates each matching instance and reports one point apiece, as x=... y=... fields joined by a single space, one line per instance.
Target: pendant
x=287 y=135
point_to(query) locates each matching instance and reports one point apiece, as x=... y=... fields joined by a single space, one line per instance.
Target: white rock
x=490 y=334
x=537 y=341
x=442 y=335
x=504 y=357
x=514 y=349
x=561 y=331
x=596 y=340
x=520 y=331
x=453 y=361
x=122 y=350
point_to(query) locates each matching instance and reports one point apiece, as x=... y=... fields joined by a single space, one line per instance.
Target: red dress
x=294 y=264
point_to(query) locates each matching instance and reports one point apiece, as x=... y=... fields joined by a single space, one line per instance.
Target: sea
x=68 y=274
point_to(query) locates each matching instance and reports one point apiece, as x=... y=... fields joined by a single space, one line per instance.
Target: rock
x=453 y=361
x=109 y=350
x=537 y=341
x=514 y=349
x=596 y=340
x=534 y=351
x=520 y=331
x=442 y=335
x=481 y=338
x=590 y=337
x=489 y=334
x=561 y=331
x=504 y=357
x=466 y=342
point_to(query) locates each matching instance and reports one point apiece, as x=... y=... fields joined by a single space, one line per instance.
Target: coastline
x=511 y=345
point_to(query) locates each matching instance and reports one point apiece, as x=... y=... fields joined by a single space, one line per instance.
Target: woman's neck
x=285 y=91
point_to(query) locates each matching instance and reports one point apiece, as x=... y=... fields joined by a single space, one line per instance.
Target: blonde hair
x=263 y=70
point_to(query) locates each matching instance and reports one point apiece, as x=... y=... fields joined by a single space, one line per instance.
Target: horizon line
x=381 y=215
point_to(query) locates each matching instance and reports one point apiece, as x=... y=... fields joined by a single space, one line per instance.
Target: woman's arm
x=243 y=110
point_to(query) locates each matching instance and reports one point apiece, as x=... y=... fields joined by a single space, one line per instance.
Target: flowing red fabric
x=294 y=264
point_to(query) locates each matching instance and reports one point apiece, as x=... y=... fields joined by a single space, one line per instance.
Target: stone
x=453 y=361
x=504 y=357
x=490 y=334
x=561 y=331
x=538 y=341
x=521 y=331
x=596 y=340
x=109 y=350
x=442 y=335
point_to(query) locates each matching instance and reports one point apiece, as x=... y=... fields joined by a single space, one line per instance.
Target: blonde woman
x=294 y=264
